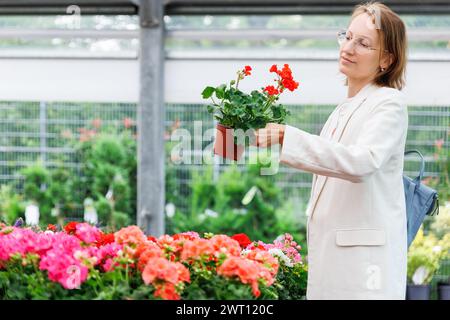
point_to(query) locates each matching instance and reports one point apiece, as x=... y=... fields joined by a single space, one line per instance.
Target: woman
x=356 y=214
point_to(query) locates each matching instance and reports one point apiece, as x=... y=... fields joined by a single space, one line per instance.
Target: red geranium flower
x=290 y=84
x=243 y=239
x=71 y=227
x=51 y=227
x=105 y=239
x=247 y=70
x=271 y=90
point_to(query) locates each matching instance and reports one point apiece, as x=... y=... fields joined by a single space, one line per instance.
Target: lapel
x=319 y=180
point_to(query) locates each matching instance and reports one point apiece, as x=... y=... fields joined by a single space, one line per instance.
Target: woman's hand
x=272 y=134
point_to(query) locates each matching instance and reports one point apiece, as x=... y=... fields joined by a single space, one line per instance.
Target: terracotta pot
x=224 y=145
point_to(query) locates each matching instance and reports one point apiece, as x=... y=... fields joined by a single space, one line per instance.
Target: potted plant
x=424 y=257
x=420 y=287
x=440 y=227
x=443 y=288
x=235 y=109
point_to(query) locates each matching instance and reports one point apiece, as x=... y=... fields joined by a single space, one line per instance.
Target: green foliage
x=109 y=165
x=36 y=181
x=120 y=220
x=217 y=206
x=11 y=205
x=441 y=183
x=239 y=110
x=104 y=210
x=21 y=279
x=292 y=281
x=210 y=286
x=441 y=222
x=427 y=251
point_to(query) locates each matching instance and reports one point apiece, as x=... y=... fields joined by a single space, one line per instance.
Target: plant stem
x=237 y=81
x=269 y=102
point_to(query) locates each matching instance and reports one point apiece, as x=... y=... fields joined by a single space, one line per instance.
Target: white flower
x=420 y=275
x=280 y=254
x=437 y=249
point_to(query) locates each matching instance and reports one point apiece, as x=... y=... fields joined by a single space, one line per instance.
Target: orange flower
x=225 y=244
x=265 y=258
x=248 y=272
x=165 y=275
x=131 y=235
x=150 y=251
x=196 y=249
x=166 y=291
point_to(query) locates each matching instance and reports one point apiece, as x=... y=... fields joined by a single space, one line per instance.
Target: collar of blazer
x=355 y=104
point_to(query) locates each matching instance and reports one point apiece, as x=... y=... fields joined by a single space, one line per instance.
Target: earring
x=382 y=69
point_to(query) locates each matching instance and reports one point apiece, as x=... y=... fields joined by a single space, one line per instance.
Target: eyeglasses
x=361 y=45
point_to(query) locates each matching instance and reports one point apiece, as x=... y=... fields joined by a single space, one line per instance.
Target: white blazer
x=356 y=231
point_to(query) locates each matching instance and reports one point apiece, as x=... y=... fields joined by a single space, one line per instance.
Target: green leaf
x=210 y=108
x=207 y=93
x=220 y=91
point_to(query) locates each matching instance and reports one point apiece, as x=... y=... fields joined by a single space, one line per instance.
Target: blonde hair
x=392 y=33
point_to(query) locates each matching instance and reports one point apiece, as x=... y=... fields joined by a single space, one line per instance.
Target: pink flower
x=87 y=233
x=23 y=241
x=61 y=264
x=439 y=143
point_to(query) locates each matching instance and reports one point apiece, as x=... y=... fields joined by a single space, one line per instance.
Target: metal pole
x=43 y=132
x=151 y=119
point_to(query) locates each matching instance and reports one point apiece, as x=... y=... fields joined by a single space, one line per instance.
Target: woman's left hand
x=272 y=134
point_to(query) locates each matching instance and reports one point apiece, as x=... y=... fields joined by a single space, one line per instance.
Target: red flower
x=286 y=72
x=153 y=239
x=290 y=84
x=271 y=90
x=105 y=239
x=247 y=70
x=243 y=239
x=71 y=227
x=274 y=68
x=51 y=227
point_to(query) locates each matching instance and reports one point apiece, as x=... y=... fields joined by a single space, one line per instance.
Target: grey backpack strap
x=422 y=164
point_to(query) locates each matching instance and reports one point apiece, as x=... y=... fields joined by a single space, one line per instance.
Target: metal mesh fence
x=41 y=130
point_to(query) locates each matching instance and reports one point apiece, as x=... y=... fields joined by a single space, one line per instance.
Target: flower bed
x=82 y=262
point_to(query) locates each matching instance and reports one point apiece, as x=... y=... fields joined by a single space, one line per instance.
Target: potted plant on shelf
x=443 y=288
x=440 y=227
x=234 y=109
x=424 y=257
